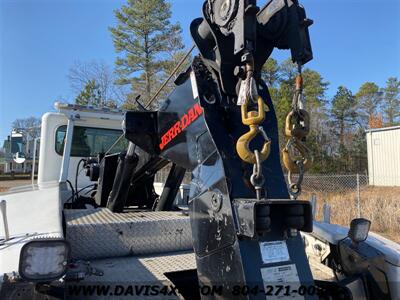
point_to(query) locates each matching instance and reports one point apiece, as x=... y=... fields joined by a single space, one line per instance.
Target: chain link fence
x=323 y=187
x=340 y=198
x=333 y=183
x=161 y=175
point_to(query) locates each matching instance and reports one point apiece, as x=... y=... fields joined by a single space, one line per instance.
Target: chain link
x=297 y=127
x=257 y=178
x=295 y=187
x=248 y=93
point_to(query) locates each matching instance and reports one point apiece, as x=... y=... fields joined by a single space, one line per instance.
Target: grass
x=7 y=177
x=380 y=205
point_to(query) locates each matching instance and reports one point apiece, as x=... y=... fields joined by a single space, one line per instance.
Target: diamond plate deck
x=142 y=269
x=99 y=233
x=135 y=272
x=150 y=270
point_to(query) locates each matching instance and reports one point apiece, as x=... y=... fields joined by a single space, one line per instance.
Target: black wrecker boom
x=219 y=123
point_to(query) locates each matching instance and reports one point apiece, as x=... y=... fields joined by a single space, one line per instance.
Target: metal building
x=383 y=147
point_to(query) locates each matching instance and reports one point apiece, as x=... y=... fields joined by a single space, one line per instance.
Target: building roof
x=382 y=129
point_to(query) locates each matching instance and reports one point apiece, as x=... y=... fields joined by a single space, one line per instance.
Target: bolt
x=292 y=232
x=216 y=201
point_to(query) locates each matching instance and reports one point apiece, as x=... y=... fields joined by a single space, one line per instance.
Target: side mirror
x=19 y=157
x=359 y=229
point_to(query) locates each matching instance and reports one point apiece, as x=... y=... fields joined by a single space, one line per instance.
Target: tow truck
x=242 y=233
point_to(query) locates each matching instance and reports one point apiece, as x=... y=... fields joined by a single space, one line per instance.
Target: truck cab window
x=89 y=141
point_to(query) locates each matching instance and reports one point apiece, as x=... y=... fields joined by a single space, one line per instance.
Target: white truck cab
x=35 y=212
x=93 y=131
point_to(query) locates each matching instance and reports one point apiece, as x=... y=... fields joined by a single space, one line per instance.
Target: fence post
x=313 y=201
x=358 y=196
x=326 y=213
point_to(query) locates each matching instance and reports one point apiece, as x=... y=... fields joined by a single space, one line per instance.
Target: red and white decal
x=192 y=114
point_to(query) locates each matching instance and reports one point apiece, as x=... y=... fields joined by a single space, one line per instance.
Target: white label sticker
x=272 y=252
x=194 y=85
x=285 y=275
x=242 y=93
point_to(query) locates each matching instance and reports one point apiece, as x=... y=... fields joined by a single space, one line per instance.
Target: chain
x=257 y=178
x=297 y=127
x=295 y=187
x=253 y=119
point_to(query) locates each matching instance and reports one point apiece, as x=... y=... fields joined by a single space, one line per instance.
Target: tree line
x=149 y=45
x=337 y=138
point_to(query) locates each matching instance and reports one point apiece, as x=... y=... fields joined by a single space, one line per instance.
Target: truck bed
x=99 y=233
x=137 y=249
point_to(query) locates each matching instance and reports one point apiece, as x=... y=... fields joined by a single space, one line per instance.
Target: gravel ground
x=6 y=184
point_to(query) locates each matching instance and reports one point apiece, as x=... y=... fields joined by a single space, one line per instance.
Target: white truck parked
x=93 y=131
x=33 y=215
x=240 y=235
x=48 y=251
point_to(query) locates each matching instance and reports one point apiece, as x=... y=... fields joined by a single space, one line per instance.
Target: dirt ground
x=7 y=184
x=393 y=236
x=380 y=205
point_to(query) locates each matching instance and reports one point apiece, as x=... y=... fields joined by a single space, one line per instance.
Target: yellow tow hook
x=253 y=119
x=291 y=164
x=293 y=128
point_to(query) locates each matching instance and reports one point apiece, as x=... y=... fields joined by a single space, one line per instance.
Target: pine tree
x=90 y=95
x=391 y=100
x=343 y=113
x=282 y=94
x=368 y=101
x=143 y=35
x=315 y=103
x=270 y=72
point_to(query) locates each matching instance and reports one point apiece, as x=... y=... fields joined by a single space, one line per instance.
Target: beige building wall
x=383 y=146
